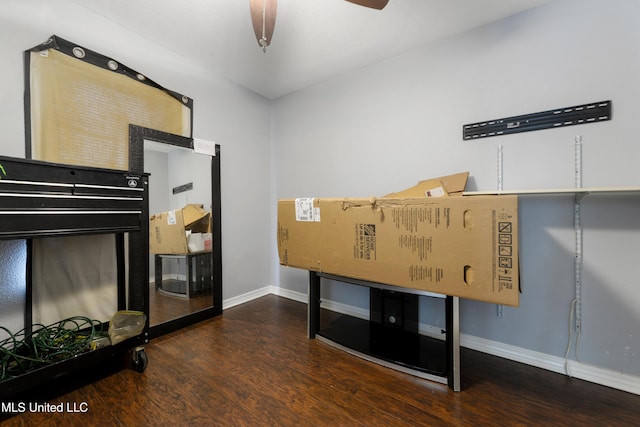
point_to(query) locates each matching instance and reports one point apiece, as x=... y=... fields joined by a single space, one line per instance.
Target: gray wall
x=387 y=126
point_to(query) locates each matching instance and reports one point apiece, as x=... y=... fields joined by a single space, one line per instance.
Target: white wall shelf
x=551 y=191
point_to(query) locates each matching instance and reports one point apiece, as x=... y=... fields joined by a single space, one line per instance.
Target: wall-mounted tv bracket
x=569 y=116
x=182 y=188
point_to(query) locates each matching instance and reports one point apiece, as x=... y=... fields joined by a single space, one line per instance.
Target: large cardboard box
x=180 y=231
x=460 y=246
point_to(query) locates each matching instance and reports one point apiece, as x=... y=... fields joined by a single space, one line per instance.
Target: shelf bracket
x=577 y=221
x=581 y=195
x=499 y=307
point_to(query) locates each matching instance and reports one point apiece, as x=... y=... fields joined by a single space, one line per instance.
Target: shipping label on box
x=460 y=246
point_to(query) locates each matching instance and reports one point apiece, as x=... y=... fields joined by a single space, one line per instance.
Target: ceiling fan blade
x=263 y=17
x=374 y=4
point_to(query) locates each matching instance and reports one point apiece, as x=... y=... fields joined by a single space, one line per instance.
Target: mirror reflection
x=180 y=259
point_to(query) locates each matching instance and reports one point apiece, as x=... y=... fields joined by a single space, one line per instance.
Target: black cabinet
x=41 y=200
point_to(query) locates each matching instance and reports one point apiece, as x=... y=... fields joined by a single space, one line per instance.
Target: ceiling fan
x=263 y=16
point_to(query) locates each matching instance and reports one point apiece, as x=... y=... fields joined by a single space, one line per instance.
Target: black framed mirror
x=185 y=287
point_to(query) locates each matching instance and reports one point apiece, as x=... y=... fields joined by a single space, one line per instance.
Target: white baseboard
x=249 y=296
x=606 y=377
x=575 y=369
x=286 y=293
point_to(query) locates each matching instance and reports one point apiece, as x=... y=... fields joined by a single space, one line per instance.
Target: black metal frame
x=39 y=200
x=137 y=136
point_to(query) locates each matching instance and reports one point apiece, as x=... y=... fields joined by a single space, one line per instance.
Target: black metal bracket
x=182 y=188
x=560 y=117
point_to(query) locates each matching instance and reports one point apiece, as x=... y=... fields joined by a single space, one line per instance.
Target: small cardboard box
x=450 y=185
x=459 y=246
x=180 y=231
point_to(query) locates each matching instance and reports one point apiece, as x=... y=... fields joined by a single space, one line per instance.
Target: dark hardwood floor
x=164 y=307
x=254 y=366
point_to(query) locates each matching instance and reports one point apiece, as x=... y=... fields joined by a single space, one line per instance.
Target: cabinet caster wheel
x=139 y=359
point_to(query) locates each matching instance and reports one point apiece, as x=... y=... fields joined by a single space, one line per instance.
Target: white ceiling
x=313 y=40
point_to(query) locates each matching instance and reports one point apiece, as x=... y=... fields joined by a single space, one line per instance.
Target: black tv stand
x=401 y=348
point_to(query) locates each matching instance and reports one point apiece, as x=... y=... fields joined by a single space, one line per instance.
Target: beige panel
x=80 y=113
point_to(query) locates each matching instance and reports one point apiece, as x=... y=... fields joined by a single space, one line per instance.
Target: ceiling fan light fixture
x=373 y=4
x=263 y=17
